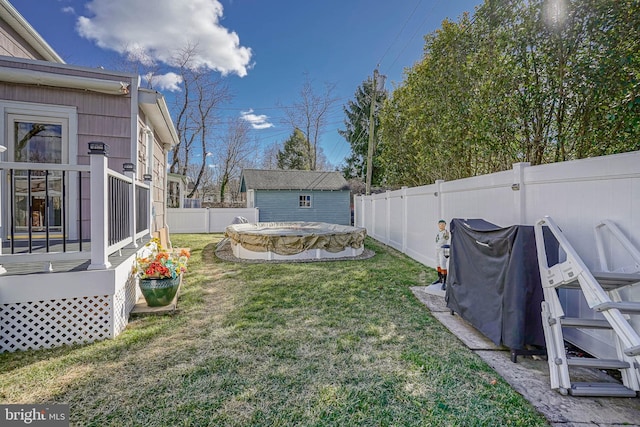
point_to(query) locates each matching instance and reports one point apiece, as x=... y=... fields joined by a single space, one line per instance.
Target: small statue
x=443 y=237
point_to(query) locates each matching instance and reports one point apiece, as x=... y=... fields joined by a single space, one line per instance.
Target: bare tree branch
x=309 y=115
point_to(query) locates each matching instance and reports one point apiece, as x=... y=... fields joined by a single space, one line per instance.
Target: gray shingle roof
x=268 y=179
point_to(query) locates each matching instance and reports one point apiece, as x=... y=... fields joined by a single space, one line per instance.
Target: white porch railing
x=119 y=212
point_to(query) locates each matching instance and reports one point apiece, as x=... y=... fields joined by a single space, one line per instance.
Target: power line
x=401 y=30
x=268 y=108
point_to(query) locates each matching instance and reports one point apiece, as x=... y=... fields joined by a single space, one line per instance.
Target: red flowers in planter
x=156 y=262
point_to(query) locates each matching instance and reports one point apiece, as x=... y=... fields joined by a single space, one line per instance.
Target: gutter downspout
x=135 y=130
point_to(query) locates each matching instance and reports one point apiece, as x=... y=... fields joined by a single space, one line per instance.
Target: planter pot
x=159 y=292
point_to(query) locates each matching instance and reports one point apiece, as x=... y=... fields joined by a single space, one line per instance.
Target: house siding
x=75 y=306
x=283 y=205
x=12 y=44
x=100 y=117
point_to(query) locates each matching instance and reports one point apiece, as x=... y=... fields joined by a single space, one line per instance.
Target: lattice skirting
x=46 y=324
x=123 y=301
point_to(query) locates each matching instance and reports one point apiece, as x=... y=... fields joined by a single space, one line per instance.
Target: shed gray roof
x=268 y=179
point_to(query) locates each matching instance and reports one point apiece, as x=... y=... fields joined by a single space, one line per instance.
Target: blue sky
x=262 y=48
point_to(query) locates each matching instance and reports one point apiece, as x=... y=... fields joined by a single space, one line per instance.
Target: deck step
x=577 y=322
x=606 y=286
x=628 y=307
x=610 y=280
x=598 y=289
x=601 y=389
x=632 y=351
x=587 y=362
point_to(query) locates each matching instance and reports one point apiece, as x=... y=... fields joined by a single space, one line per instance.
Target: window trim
x=305 y=201
x=12 y=118
x=43 y=111
x=68 y=117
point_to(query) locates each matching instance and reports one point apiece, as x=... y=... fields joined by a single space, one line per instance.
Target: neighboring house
x=176 y=188
x=71 y=222
x=293 y=195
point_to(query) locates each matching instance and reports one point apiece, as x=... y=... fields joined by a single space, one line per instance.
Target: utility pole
x=372 y=107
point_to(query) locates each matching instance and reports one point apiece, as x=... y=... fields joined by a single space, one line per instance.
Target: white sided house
x=83 y=181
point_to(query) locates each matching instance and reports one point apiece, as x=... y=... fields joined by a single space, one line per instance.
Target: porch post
x=2 y=269
x=99 y=204
x=148 y=179
x=130 y=172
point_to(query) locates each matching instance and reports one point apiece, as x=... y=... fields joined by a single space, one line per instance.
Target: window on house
x=305 y=201
x=37 y=193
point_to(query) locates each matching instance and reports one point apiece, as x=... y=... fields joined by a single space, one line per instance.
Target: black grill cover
x=494 y=283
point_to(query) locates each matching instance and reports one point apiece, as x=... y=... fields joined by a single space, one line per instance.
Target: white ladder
x=601 y=293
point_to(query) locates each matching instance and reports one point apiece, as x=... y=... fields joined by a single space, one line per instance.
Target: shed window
x=305 y=201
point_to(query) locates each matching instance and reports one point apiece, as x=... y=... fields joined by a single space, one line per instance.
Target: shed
x=295 y=195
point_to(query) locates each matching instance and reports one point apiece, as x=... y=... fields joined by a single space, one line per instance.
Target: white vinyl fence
x=576 y=194
x=206 y=220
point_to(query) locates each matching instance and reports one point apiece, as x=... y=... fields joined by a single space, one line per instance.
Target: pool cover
x=290 y=238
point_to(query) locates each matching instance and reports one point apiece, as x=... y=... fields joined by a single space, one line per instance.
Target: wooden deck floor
x=15 y=269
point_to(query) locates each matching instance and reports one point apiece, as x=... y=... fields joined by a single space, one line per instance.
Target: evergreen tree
x=356 y=132
x=295 y=152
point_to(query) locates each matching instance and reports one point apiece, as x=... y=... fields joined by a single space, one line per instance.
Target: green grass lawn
x=300 y=344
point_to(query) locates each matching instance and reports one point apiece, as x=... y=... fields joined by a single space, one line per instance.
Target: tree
x=356 y=132
x=207 y=188
x=295 y=153
x=235 y=152
x=270 y=156
x=194 y=115
x=309 y=116
x=523 y=81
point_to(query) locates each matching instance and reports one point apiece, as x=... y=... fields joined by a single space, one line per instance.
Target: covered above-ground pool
x=295 y=240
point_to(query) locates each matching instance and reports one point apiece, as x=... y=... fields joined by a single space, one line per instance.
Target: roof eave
x=155 y=108
x=20 y=25
x=33 y=77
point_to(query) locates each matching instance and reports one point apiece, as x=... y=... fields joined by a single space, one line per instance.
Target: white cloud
x=69 y=9
x=257 y=121
x=169 y=82
x=160 y=29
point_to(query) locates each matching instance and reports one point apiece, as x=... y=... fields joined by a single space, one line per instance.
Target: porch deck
x=24 y=268
x=43 y=308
